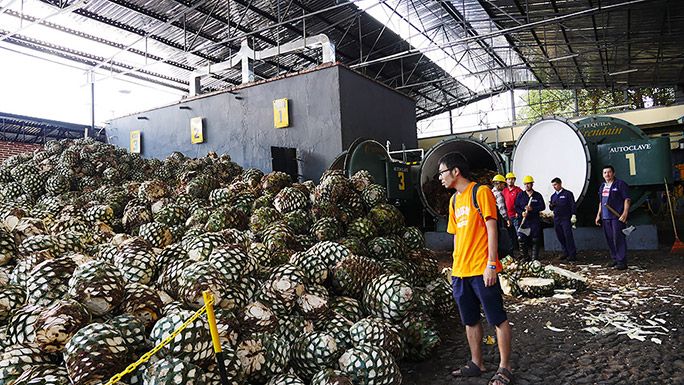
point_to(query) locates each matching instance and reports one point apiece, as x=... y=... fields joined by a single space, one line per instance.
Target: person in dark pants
x=564 y=210
x=474 y=271
x=510 y=192
x=614 y=193
x=528 y=205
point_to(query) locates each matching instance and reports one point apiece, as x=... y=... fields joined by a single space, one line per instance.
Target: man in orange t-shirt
x=475 y=266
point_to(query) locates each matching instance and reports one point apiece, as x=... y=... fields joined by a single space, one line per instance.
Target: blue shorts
x=470 y=293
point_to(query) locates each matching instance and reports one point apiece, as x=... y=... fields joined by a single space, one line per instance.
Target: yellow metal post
x=211 y=319
x=146 y=357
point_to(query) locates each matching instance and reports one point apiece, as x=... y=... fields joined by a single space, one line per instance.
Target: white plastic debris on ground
x=611 y=308
x=614 y=304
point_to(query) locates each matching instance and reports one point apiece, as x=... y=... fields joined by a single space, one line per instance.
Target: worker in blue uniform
x=614 y=194
x=564 y=210
x=528 y=205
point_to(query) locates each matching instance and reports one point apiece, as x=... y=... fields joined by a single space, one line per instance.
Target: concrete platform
x=586 y=238
x=645 y=237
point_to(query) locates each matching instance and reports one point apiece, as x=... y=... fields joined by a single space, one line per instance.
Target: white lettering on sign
x=596 y=124
x=633 y=147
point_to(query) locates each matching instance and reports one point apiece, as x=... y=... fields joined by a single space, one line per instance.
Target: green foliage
x=551 y=102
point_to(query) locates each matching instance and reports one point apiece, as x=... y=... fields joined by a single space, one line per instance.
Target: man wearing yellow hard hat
x=498 y=185
x=528 y=206
x=510 y=193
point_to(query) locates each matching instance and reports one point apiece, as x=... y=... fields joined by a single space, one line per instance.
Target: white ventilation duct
x=246 y=55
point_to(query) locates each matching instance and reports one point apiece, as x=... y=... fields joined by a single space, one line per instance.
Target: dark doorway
x=285 y=159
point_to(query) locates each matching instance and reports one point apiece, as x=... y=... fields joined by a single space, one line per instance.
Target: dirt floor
x=627 y=328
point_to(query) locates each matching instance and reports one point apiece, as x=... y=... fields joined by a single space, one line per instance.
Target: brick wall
x=8 y=149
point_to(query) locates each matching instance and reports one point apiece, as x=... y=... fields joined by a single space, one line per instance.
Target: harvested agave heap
x=103 y=254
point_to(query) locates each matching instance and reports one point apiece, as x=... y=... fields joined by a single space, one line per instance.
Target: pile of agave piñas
x=103 y=254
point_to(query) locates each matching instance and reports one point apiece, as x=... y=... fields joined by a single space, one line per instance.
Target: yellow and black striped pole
x=211 y=318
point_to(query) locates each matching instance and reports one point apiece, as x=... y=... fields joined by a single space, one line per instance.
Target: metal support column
x=451 y=122
x=512 y=108
x=92 y=105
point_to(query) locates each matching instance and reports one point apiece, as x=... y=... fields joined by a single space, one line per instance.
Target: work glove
x=573 y=220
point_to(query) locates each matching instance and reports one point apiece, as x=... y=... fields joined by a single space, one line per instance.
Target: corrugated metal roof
x=442 y=53
x=29 y=129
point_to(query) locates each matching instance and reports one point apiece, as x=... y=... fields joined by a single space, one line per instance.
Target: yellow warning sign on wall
x=196 y=130
x=135 y=142
x=281 y=117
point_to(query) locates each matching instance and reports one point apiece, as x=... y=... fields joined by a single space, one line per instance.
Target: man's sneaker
x=621 y=266
x=610 y=264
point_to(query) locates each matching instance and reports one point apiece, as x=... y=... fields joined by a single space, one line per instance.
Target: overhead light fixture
x=564 y=57
x=623 y=72
x=143 y=118
x=185 y=107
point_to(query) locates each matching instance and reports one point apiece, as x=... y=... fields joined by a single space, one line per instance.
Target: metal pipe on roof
x=246 y=56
